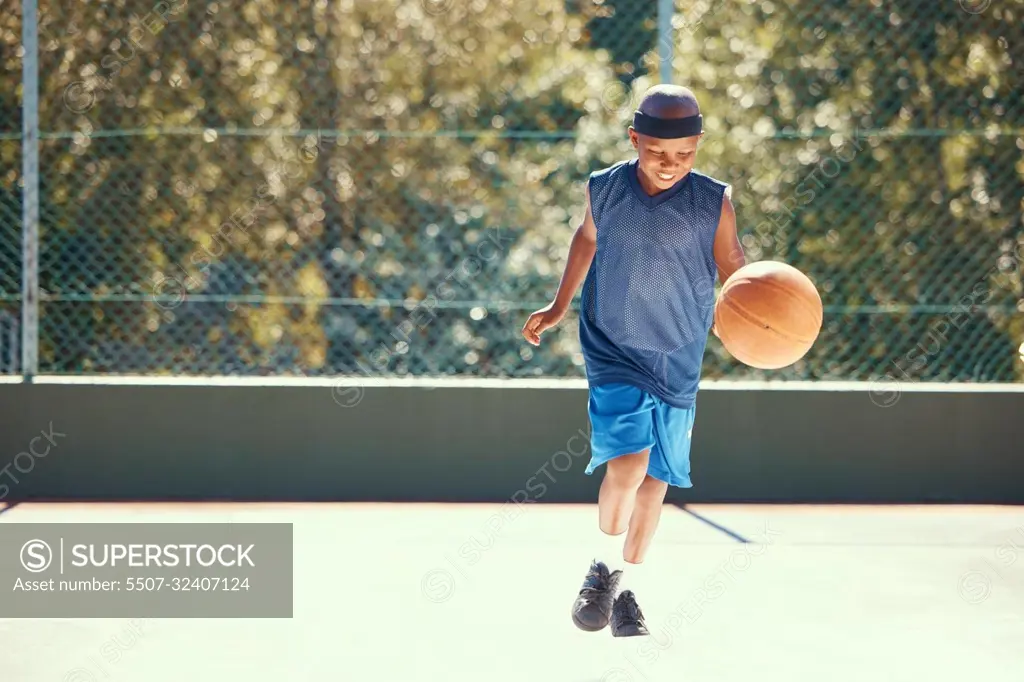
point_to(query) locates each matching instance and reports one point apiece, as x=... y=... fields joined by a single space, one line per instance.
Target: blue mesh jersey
x=648 y=299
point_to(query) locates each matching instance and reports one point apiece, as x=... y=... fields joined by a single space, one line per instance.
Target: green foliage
x=390 y=187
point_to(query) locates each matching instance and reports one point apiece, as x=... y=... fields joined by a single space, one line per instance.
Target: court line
x=723 y=529
x=8 y=506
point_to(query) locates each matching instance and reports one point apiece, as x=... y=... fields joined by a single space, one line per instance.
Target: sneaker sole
x=631 y=634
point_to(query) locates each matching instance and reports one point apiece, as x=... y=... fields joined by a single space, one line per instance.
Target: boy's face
x=665 y=162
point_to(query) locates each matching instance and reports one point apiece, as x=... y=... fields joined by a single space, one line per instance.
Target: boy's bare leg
x=630 y=502
x=650 y=499
x=618 y=495
x=623 y=476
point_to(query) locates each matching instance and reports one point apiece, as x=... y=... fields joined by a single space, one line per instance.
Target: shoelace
x=629 y=610
x=595 y=582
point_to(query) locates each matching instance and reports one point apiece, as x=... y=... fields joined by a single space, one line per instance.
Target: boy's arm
x=581 y=254
x=728 y=253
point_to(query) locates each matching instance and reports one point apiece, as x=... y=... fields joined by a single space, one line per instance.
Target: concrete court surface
x=482 y=592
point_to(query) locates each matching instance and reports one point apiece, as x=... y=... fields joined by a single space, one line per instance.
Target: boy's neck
x=649 y=188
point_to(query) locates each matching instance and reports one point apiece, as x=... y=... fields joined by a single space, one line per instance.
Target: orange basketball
x=768 y=315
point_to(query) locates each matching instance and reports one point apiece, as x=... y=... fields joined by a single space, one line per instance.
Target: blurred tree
x=390 y=187
x=923 y=216
x=391 y=211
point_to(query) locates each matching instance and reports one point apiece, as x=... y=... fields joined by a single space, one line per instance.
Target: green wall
x=472 y=443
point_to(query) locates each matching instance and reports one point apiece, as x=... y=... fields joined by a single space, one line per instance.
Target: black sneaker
x=627 y=618
x=593 y=607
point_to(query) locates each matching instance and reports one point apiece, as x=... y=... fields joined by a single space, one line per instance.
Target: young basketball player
x=655 y=235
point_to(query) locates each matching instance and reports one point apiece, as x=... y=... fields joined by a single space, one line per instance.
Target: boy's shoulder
x=604 y=183
x=707 y=179
x=707 y=182
x=616 y=168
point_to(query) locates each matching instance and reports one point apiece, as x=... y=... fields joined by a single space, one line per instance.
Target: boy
x=655 y=235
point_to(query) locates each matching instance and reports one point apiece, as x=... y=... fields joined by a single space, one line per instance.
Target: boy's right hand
x=541 y=321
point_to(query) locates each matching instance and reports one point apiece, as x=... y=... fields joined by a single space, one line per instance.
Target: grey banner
x=151 y=570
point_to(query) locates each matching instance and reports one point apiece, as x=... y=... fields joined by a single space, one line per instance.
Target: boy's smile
x=663 y=162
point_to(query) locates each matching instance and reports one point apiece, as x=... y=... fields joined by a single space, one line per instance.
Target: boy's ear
x=634 y=138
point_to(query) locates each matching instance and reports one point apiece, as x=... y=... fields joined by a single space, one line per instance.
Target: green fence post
x=30 y=176
x=666 y=8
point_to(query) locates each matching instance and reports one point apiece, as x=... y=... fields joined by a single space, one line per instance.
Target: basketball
x=768 y=315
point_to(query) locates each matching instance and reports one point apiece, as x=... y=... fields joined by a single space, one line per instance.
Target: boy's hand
x=541 y=321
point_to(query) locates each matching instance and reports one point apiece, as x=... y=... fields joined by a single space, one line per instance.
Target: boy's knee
x=628 y=470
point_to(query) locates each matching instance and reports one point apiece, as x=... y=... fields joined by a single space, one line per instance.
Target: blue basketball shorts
x=625 y=419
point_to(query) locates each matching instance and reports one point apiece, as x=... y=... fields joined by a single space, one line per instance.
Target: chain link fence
x=389 y=188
